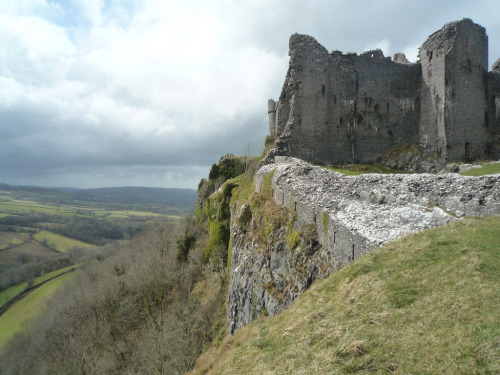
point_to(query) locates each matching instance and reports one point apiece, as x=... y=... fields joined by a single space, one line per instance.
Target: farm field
x=26 y=309
x=17 y=207
x=27 y=253
x=41 y=279
x=10 y=239
x=7 y=294
x=58 y=242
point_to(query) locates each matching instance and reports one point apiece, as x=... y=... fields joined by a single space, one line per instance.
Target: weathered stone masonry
x=352 y=215
x=344 y=108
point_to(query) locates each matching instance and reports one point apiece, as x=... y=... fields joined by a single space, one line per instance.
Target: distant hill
x=136 y=194
x=179 y=198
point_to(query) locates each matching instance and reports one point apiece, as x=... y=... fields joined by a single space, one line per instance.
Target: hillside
x=118 y=196
x=423 y=304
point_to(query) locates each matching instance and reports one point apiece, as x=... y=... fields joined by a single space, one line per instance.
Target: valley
x=45 y=234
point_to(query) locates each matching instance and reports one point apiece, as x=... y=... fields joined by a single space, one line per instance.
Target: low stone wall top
x=380 y=207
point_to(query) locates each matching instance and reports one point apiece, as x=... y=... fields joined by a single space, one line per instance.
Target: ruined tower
x=343 y=108
x=454 y=82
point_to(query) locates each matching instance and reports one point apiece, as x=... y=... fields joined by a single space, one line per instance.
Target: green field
x=7 y=294
x=8 y=239
x=58 y=242
x=424 y=304
x=39 y=280
x=17 y=206
x=22 y=312
x=20 y=207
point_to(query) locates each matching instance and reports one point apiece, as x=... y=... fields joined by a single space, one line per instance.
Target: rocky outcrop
x=304 y=221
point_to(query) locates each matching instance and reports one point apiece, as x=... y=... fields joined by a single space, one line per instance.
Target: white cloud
x=411 y=51
x=148 y=82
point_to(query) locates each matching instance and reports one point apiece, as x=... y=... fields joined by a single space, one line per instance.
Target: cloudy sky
x=100 y=93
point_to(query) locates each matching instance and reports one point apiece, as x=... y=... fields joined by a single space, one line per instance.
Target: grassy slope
x=485 y=169
x=52 y=274
x=20 y=314
x=58 y=242
x=9 y=293
x=428 y=303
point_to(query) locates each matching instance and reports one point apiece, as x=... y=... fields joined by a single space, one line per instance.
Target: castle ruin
x=338 y=108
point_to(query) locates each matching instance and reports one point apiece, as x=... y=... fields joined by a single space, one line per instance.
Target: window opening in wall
x=467 y=152
x=295 y=206
x=353 y=252
x=314 y=218
x=334 y=235
x=272 y=193
x=323 y=89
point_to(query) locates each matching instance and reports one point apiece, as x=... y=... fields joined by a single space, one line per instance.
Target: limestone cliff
x=303 y=222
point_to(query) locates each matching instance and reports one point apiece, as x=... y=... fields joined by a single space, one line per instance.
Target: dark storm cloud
x=101 y=93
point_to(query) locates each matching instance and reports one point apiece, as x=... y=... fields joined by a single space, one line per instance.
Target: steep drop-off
x=302 y=222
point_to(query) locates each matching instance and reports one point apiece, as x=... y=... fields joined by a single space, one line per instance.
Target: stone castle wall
x=349 y=215
x=344 y=108
x=494 y=106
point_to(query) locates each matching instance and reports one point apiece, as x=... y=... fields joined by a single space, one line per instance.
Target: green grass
x=23 y=207
x=58 y=242
x=425 y=304
x=357 y=169
x=50 y=275
x=8 y=239
x=22 y=312
x=9 y=293
x=127 y=214
x=484 y=170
